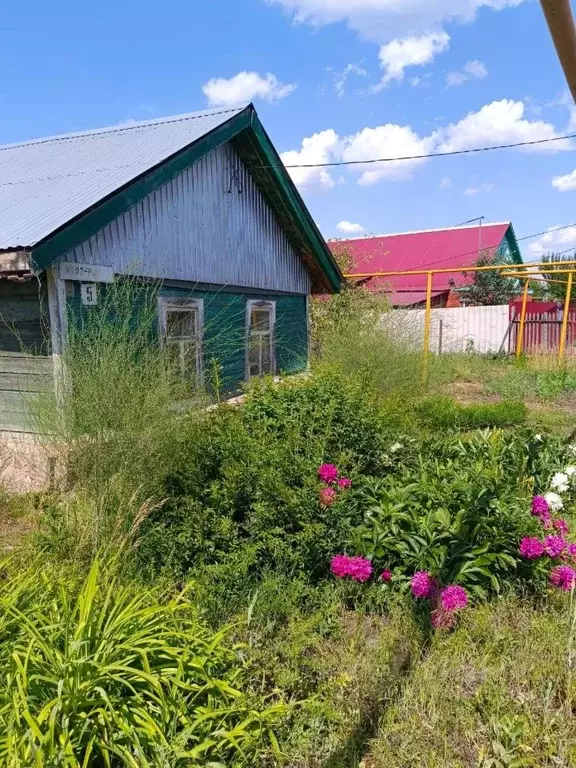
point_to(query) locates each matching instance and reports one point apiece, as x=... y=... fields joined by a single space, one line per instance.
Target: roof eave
x=311 y=245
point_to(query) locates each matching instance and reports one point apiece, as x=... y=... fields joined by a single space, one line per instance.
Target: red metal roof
x=429 y=249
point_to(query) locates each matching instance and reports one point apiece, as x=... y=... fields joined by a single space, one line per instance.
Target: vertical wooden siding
x=210 y=224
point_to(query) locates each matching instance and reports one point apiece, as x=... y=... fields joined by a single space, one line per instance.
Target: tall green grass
x=101 y=673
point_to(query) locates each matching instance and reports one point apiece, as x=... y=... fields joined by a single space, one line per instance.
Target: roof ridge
x=119 y=128
x=418 y=232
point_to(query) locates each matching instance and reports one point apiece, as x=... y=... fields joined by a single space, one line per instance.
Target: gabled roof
x=425 y=249
x=56 y=192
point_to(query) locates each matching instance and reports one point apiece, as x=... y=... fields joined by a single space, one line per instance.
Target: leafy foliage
x=490 y=287
x=112 y=676
x=555 y=290
x=458 y=511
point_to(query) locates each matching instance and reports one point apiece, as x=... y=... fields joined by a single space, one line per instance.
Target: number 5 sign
x=89 y=294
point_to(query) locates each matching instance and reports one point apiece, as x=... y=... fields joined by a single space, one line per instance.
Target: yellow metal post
x=520 y=339
x=427 y=327
x=564 y=332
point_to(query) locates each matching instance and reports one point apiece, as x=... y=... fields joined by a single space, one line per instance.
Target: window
x=181 y=329
x=260 y=352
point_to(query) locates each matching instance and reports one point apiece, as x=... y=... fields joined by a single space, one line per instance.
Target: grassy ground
x=547 y=388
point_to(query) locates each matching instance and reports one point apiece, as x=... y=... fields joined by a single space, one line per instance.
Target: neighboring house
x=200 y=202
x=453 y=247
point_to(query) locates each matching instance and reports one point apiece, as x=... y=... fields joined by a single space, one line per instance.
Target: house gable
x=210 y=224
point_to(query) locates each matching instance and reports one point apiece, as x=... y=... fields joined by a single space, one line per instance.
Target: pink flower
x=562 y=526
x=531 y=548
x=563 y=577
x=327 y=497
x=453 y=598
x=355 y=568
x=386 y=576
x=441 y=619
x=572 y=550
x=546 y=520
x=339 y=566
x=540 y=506
x=423 y=585
x=328 y=473
x=554 y=546
x=344 y=482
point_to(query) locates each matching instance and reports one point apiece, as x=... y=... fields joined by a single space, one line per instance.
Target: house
x=200 y=202
x=452 y=247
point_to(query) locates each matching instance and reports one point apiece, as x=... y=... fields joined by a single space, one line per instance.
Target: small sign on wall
x=93 y=273
x=89 y=294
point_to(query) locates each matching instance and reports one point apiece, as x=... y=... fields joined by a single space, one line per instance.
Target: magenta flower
x=563 y=577
x=327 y=497
x=540 y=506
x=423 y=585
x=355 y=568
x=561 y=526
x=328 y=473
x=360 y=569
x=531 y=548
x=453 y=598
x=572 y=550
x=546 y=520
x=339 y=566
x=554 y=546
x=386 y=576
x=344 y=482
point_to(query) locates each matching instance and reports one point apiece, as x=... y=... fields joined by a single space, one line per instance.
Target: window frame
x=171 y=304
x=271 y=307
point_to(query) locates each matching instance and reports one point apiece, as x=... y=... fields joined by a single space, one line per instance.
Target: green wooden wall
x=25 y=365
x=225 y=330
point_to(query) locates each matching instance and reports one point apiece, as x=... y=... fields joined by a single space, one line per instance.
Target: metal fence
x=442 y=312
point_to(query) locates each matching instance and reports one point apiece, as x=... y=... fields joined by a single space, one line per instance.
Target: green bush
x=104 y=674
x=244 y=499
x=458 y=510
x=444 y=413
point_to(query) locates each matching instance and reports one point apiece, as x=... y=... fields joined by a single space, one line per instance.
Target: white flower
x=554 y=502
x=560 y=482
x=570 y=471
x=396 y=447
x=538 y=438
x=572 y=449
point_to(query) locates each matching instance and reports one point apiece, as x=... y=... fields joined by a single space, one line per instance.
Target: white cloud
x=320 y=148
x=565 y=183
x=470 y=70
x=348 y=228
x=552 y=241
x=245 y=87
x=482 y=188
x=341 y=78
x=446 y=183
x=409 y=52
x=388 y=140
x=385 y=20
x=501 y=122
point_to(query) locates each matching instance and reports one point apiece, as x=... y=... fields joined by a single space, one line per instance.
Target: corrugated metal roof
x=45 y=183
x=428 y=249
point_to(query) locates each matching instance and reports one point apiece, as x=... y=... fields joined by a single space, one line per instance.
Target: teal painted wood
x=225 y=333
x=224 y=337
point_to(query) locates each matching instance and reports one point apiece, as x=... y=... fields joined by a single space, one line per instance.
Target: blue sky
x=350 y=78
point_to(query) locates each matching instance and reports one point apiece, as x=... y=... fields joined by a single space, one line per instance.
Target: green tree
x=490 y=287
x=556 y=290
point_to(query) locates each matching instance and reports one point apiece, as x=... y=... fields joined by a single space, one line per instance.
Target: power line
x=452 y=153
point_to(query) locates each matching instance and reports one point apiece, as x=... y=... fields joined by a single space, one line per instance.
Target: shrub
x=105 y=674
x=444 y=413
x=245 y=498
x=460 y=514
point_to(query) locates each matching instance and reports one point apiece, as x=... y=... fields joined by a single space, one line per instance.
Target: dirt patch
x=470 y=392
